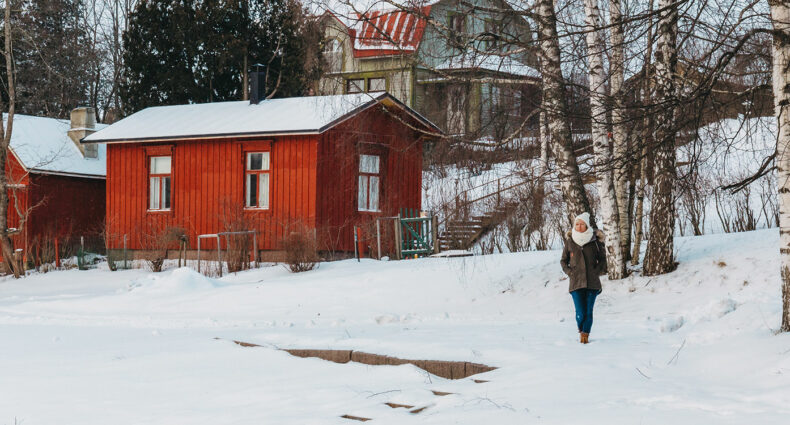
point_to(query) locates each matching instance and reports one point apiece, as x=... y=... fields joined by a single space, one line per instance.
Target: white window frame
x=155 y=198
x=263 y=202
x=368 y=177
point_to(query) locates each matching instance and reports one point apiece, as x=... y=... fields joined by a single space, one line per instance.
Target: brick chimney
x=83 y=123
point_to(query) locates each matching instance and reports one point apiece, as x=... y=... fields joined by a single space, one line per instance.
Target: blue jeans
x=584 y=301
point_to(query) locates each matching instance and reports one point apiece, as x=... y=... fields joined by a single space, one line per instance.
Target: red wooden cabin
x=324 y=163
x=57 y=183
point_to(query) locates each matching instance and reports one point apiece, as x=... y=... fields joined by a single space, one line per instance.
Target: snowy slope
x=722 y=153
x=727 y=152
x=131 y=347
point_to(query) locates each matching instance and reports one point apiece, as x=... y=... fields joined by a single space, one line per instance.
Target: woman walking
x=583 y=260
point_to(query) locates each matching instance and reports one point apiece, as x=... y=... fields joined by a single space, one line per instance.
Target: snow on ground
x=132 y=347
x=724 y=153
x=439 y=190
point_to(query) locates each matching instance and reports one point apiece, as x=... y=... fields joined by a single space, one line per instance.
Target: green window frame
x=365 y=84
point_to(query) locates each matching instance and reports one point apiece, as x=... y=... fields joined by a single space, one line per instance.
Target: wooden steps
x=463 y=234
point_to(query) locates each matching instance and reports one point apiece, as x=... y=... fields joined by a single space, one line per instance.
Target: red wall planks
x=207 y=188
x=400 y=149
x=313 y=182
x=63 y=206
x=71 y=206
x=16 y=174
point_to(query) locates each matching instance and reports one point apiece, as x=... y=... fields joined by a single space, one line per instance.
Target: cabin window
x=257 y=180
x=369 y=183
x=356 y=85
x=159 y=177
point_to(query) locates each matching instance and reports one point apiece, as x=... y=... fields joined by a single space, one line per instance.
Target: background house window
x=456 y=109
x=333 y=54
x=257 y=180
x=516 y=99
x=493 y=30
x=369 y=183
x=496 y=98
x=355 y=85
x=159 y=183
x=377 y=84
x=456 y=22
x=366 y=85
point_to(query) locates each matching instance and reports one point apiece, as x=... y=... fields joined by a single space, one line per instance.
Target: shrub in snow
x=239 y=248
x=42 y=250
x=301 y=250
x=110 y=238
x=156 y=238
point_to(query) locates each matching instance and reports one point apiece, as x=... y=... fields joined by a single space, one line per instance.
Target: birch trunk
x=6 y=245
x=556 y=109
x=646 y=131
x=640 y=202
x=600 y=137
x=780 y=17
x=545 y=142
x=619 y=119
x=659 y=257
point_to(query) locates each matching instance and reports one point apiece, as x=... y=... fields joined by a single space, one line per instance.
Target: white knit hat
x=585 y=217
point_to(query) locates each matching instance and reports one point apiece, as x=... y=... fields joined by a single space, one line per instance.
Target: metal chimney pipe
x=258 y=84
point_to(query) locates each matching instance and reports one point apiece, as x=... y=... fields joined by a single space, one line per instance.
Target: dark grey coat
x=584 y=264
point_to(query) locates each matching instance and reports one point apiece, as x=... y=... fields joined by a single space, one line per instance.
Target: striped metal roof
x=388 y=32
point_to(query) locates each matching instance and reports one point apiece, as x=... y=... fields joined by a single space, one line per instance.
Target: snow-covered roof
x=42 y=145
x=294 y=115
x=495 y=63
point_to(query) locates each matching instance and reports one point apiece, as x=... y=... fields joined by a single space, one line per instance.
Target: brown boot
x=585 y=338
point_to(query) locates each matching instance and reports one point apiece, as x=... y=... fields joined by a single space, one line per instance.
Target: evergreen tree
x=160 y=52
x=224 y=26
x=286 y=41
x=51 y=54
x=194 y=51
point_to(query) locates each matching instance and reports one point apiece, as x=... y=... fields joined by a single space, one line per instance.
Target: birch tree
x=646 y=126
x=6 y=245
x=780 y=18
x=659 y=257
x=619 y=119
x=600 y=138
x=556 y=108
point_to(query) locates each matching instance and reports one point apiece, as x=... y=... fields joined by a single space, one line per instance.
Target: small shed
x=324 y=164
x=58 y=183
